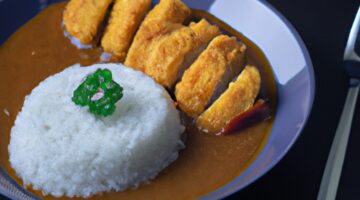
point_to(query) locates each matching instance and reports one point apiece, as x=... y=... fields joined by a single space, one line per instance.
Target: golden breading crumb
x=174 y=52
x=239 y=97
x=126 y=16
x=210 y=74
x=82 y=18
x=165 y=17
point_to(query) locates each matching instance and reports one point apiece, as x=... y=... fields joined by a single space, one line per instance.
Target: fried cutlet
x=210 y=74
x=174 y=52
x=239 y=97
x=164 y=18
x=82 y=18
x=126 y=16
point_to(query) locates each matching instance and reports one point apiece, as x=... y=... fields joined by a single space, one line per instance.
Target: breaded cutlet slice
x=174 y=11
x=165 y=17
x=126 y=16
x=174 y=52
x=210 y=74
x=82 y=18
x=239 y=97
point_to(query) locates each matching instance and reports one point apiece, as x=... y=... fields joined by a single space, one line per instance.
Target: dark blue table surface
x=324 y=27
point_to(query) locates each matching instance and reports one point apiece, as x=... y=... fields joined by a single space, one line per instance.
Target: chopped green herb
x=99 y=92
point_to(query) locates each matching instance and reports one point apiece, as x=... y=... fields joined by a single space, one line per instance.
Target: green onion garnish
x=99 y=92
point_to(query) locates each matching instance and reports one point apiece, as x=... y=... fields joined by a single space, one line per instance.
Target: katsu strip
x=164 y=18
x=126 y=16
x=82 y=18
x=239 y=97
x=210 y=74
x=173 y=11
x=174 y=52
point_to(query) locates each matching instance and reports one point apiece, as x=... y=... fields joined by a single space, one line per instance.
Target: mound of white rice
x=62 y=149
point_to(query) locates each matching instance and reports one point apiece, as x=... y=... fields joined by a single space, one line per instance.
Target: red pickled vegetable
x=259 y=112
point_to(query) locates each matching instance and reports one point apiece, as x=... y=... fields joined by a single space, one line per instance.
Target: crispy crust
x=239 y=97
x=166 y=17
x=173 y=11
x=216 y=66
x=174 y=52
x=125 y=18
x=82 y=18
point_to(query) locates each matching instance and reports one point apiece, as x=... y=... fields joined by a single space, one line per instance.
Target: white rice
x=62 y=149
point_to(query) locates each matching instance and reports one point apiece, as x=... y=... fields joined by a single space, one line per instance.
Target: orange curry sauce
x=39 y=49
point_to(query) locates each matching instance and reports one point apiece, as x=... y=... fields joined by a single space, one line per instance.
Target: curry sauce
x=40 y=49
